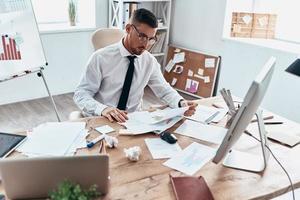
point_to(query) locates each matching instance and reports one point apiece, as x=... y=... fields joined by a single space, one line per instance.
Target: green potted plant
x=68 y=190
x=72 y=12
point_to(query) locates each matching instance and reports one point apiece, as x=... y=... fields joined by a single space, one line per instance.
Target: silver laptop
x=28 y=178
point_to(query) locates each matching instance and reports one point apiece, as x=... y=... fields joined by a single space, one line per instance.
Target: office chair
x=106 y=36
x=101 y=38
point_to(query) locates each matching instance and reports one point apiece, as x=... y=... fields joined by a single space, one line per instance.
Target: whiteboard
x=20 y=44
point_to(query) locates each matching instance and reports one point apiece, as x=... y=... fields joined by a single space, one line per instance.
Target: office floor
x=28 y=114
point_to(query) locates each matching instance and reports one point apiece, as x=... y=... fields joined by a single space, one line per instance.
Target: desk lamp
x=294 y=68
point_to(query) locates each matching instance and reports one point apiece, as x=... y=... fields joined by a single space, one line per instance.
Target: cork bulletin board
x=192 y=72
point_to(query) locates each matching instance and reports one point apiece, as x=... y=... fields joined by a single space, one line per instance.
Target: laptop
x=28 y=178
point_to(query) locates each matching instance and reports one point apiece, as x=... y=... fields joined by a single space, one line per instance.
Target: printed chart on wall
x=191 y=72
x=20 y=45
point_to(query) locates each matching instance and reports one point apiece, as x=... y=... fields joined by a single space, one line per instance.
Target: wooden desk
x=149 y=179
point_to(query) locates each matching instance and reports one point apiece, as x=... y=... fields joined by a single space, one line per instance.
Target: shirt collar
x=124 y=52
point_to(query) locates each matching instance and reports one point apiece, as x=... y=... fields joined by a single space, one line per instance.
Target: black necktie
x=127 y=84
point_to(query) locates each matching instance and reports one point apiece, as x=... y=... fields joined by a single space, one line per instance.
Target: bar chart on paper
x=9 y=49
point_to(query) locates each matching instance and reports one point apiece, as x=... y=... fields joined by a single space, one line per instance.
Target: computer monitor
x=244 y=115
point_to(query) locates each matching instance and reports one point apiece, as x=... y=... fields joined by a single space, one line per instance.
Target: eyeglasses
x=144 y=38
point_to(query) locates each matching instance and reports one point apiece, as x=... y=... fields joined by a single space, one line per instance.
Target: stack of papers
x=207 y=114
x=160 y=149
x=144 y=122
x=55 y=139
x=191 y=159
x=209 y=133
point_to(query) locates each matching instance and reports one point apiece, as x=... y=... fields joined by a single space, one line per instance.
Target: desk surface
x=149 y=179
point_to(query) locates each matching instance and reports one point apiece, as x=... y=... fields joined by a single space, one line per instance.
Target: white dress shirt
x=101 y=84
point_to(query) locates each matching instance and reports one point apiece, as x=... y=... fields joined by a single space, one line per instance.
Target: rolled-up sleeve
x=161 y=87
x=89 y=85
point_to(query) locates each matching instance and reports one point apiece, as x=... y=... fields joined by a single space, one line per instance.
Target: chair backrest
x=106 y=36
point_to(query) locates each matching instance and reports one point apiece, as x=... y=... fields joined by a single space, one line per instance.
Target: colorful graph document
x=160 y=149
x=191 y=159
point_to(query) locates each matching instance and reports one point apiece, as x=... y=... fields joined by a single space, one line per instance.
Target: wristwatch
x=179 y=103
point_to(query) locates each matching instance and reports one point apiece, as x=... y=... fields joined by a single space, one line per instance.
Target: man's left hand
x=192 y=107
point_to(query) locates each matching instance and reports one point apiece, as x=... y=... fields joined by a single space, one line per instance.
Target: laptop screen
x=8 y=142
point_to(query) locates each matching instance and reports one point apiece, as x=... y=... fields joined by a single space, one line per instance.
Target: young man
x=116 y=76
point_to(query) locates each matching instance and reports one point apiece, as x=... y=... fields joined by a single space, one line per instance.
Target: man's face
x=140 y=37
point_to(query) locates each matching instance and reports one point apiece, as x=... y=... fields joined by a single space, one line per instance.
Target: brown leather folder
x=191 y=188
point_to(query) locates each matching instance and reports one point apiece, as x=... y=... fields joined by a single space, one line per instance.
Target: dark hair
x=144 y=16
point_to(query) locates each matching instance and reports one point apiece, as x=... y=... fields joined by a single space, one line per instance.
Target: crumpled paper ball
x=133 y=153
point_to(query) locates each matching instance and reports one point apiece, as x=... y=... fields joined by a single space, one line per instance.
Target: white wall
x=201 y=21
x=66 y=53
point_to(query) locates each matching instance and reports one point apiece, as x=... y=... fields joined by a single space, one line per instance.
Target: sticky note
x=206 y=79
x=200 y=71
x=179 y=57
x=209 y=62
x=174 y=81
x=190 y=73
x=169 y=66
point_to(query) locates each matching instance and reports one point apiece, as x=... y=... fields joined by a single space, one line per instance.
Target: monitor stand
x=250 y=162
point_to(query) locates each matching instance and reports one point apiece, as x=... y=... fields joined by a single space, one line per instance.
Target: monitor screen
x=246 y=112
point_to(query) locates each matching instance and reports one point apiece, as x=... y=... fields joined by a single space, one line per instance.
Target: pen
x=211 y=117
x=94 y=141
x=272 y=123
x=265 y=118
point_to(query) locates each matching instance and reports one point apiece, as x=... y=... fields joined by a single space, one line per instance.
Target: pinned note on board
x=209 y=63
x=200 y=72
x=191 y=86
x=178 y=69
x=206 y=79
x=179 y=57
x=169 y=66
x=190 y=73
x=177 y=50
x=174 y=81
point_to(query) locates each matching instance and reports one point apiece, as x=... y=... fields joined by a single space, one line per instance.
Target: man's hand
x=114 y=114
x=192 y=107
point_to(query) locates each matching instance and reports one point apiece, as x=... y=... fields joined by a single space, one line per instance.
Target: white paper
x=169 y=66
x=200 y=72
x=146 y=117
x=209 y=62
x=174 y=81
x=135 y=127
x=79 y=143
x=203 y=113
x=54 y=139
x=209 y=133
x=160 y=149
x=104 y=129
x=179 y=57
x=190 y=73
x=191 y=159
x=222 y=113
